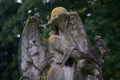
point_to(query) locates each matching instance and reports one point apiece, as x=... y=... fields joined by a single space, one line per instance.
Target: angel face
x=62 y=25
x=58 y=15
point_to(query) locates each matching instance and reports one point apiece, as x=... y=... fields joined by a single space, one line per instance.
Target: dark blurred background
x=100 y=17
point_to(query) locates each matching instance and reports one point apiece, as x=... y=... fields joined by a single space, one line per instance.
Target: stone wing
x=32 y=53
x=78 y=31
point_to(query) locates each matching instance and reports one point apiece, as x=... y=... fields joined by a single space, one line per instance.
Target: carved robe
x=58 y=46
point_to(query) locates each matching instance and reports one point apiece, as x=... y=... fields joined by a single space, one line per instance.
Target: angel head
x=58 y=19
x=57 y=11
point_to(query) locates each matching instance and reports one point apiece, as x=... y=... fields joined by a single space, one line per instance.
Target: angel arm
x=62 y=46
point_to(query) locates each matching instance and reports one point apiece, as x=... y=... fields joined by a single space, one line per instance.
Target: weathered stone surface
x=68 y=54
x=32 y=53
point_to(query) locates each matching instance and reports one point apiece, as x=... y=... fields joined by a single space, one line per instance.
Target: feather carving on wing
x=78 y=33
x=33 y=55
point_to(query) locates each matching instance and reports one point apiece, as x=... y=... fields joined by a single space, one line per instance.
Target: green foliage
x=104 y=22
x=101 y=17
x=45 y=32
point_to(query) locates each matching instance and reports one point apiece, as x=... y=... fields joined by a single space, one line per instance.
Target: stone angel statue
x=67 y=55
